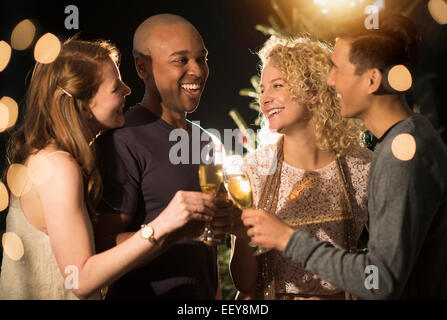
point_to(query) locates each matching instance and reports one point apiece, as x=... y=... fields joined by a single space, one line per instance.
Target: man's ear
x=375 y=80
x=143 y=66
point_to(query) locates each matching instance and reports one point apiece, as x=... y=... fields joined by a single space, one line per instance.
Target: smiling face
x=352 y=89
x=108 y=103
x=179 y=66
x=282 y=111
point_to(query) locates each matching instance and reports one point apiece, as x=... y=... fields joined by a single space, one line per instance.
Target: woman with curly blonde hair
x=314 y=178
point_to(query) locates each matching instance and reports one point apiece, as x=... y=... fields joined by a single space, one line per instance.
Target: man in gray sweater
x=406 y=257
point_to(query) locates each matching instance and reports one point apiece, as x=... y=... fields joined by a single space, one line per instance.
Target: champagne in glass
x=239 y=187
x=240 y=190
x=211 y=180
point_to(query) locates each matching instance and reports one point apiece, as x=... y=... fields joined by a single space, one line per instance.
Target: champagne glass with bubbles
x=239 y=187
x=211 y=182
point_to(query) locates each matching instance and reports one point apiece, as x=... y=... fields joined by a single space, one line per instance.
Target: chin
x=279 y=124
x=276 y=128
x=191 y=108
x=120 y=124
x=115 y=124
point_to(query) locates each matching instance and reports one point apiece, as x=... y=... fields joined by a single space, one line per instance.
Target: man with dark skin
x=171 y=59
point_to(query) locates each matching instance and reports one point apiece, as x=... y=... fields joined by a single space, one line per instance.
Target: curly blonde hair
x=305 y=64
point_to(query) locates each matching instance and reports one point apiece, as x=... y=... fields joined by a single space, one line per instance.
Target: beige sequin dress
x=310 y=201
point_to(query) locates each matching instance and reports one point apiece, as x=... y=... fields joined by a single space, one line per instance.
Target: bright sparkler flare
x=333 y=4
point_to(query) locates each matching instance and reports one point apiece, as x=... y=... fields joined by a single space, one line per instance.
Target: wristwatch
x=147 y=233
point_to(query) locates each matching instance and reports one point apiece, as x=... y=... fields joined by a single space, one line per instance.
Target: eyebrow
x=185 y=52
x=273 y=80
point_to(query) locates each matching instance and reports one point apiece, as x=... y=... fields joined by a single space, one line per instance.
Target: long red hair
x=57 y=109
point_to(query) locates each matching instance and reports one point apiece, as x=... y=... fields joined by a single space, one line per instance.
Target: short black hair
x=396 y=42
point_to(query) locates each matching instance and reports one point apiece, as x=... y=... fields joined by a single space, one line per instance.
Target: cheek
x=107 y=109
x=206 y=72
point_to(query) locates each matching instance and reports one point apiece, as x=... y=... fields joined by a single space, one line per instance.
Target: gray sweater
x=406 y=256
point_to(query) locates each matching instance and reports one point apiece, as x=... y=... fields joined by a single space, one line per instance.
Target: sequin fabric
x=310 y=201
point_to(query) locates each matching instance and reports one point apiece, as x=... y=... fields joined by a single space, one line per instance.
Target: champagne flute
x=239 y=187
x=211 y=182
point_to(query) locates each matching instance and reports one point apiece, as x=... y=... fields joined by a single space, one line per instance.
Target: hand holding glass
x=239 y=187
x=211 y=182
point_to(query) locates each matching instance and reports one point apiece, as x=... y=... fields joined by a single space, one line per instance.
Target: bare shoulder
x=49 y=166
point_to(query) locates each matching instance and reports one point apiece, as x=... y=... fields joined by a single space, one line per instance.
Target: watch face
x=147 y=232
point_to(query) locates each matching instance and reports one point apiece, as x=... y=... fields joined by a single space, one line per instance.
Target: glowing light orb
x=23 y=35
x=5 y=55
x=400 y=78
x=4 y=117
x=438 y=10
x=47 y=48
x=9 y=111
x=4 y=197
x=404 y=147
x=18 y=180
x=13 y=246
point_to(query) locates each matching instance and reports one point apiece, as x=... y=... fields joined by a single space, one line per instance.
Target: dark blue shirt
x=140 y=180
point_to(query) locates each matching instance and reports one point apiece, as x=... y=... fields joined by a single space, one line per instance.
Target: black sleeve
x=404 y=197
x=120 y=172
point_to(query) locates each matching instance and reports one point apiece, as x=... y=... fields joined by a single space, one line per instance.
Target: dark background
x=228 y=29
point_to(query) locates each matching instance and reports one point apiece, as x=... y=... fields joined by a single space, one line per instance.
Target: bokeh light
x=40 y=170
x=23 y=35
x=47 y=48
x=18 y=179
x=4 y=117
x=404 y=147
x=400 y=78
x=4 y=197
x=438 y=10
x=5 y=55
x=336 y=4
x=13 y=246
x=9 y=111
